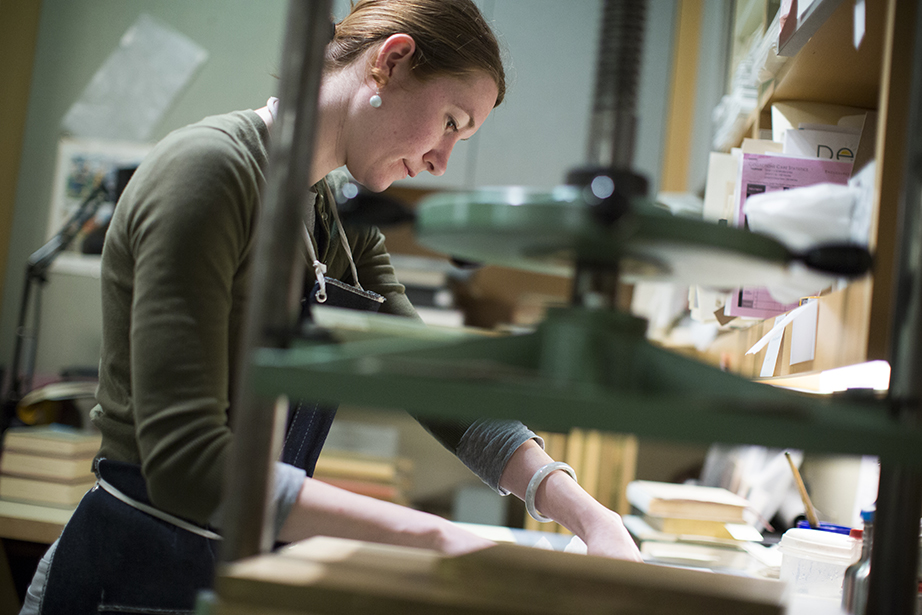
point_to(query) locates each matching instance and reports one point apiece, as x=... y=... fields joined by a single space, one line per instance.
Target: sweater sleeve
x=188 y=232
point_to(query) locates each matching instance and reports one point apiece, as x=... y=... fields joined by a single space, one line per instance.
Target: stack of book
x=671 y=511
x=363 y=458
x=50 y=465
x=382 y=478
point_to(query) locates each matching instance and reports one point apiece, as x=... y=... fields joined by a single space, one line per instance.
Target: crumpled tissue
x=805 y=218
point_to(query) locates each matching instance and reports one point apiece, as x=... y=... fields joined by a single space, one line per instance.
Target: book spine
x=343 y=467
x=42 y=492
x=380 y=491
x=52 y=468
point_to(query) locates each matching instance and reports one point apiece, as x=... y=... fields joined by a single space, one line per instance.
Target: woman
x=404 y=80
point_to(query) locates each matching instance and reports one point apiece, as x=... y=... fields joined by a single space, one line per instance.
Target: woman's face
x=416 y=126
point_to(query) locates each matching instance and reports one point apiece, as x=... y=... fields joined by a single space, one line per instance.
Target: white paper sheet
x=137 y=83
x=803 y=333
x=771 y=356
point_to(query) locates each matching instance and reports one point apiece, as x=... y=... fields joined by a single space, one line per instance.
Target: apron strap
x=320 y=268
x=155 y=512
x=309 y=422
x=328 y=195
x=308 y=426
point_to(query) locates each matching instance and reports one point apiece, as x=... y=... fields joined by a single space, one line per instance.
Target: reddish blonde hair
x=452 y=38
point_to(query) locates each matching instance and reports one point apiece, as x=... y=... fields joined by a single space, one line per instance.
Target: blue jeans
x=114 y=558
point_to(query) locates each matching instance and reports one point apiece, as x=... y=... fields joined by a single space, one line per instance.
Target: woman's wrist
x=562 y=499
x=441 y=535
x=537 y=479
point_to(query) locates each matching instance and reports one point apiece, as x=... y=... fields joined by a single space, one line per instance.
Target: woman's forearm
x=563 y=500
x=558 y=497
x=325 y=510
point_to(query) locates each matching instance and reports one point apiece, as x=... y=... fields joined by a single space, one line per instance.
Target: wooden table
x=30 y=523
x=338 y=576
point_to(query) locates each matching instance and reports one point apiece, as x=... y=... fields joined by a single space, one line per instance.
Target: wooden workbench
x=335 y=576
x=29 y=523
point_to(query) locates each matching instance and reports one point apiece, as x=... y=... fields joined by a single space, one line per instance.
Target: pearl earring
x=375 y=100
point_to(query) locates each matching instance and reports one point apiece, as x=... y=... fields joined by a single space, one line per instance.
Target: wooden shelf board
x=829 y=69
x=802 y=382
x=842 y=339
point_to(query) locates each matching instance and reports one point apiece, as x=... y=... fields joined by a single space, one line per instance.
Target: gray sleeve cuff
x=288 y=482
x=487 y=445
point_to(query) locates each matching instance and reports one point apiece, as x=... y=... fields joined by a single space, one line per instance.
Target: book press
x=587 y=364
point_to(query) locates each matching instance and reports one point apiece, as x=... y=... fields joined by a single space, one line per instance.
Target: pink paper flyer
x=765 y=173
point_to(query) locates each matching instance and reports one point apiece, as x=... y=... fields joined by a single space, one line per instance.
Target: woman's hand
x=563 y=500
x=608 y=537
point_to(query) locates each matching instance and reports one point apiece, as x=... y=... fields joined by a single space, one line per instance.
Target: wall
x=243 y=39
x=541 y=130
x=713 y=50
x=18 y=34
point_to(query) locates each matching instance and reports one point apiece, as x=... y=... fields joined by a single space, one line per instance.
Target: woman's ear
x=393 y=54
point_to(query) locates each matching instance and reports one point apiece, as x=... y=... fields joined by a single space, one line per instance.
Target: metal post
x=614 y=110
x=894 y=584
x=277 y=278
x=612 y=127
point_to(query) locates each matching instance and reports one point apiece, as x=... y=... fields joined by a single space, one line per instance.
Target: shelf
x=870 y=376
x=814 y=15
x=829 y=69
x=853 y=324
x=842 y=338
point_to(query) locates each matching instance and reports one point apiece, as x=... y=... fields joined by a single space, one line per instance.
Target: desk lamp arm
x=37 y=266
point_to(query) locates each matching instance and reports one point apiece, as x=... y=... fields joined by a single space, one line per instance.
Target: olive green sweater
x=175 y=282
